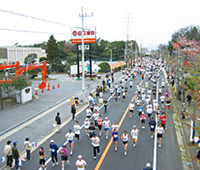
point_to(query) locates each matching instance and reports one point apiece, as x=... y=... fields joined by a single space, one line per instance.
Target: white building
x=13 y=54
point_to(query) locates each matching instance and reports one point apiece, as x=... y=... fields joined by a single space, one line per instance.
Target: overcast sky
x=151 y=21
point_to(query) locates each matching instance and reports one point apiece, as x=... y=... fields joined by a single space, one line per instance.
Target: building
x=14 y=53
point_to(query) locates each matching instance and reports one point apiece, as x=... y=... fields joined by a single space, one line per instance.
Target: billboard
x=89 y=35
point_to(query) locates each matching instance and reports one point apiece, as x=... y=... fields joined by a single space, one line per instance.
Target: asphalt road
x=167 y=156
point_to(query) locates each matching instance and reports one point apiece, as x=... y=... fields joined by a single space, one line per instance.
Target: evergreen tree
x=52 y=51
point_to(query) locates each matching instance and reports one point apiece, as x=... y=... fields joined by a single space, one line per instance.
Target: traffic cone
x=42 y=90
x=58 y=85
x=48 y=88
x=30 y=84
x=48 y=84
x=53 y=87
x=36 y=92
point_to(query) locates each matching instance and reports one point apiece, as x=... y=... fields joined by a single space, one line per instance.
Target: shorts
x=118 y=94
x=131 y=86
x=88 y=117
x=106 y=129
x=126 y=79
x=64 y=158
x=124 y=142
x=131 y=111
x=42 y=161
x=116 y=99
x=115 y=139
x=163 y=125
x=77 y=135
x=159 y=135
x=152 y=129
x=142 y=121
x=70 y=141
x=124 y=97
x=162 y=102
x=168 y=107
x=135 y=137
x=95 y=123
x=100 y=127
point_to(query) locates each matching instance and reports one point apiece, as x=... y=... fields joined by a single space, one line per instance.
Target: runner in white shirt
x=149 y=111
x=131 y=108
x=111 y=91
x=70 y=137
x=162 y=99
x=131 y=85
x=143 y=90
x=115 y=126
x=95 y=144
x=160 y=131
x=106 y=124
x=77 y=131
x=143 y=97
x=80 y=163
x=160 y=91
x=95 y=116
x=88 y=112
x=163 y=83
x=86 y=125
x=125 y=139
x=96 y=108
x=135 y=134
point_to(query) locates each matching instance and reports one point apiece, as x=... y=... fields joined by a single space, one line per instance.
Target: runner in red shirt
x=143 y=118
x=163 y=119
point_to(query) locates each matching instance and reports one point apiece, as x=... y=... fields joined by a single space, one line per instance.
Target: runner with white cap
x=148 y=167
x=80 y=163
x=106 y=124
x=125 y=139
x=70 y=137
x=134 y=134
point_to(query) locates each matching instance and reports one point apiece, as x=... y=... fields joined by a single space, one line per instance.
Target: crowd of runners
x=150 y=103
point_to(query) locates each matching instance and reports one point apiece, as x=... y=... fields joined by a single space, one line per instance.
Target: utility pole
x=83 y=66
x=128 y=34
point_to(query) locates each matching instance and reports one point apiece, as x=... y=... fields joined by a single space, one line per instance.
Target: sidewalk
x=184 y=126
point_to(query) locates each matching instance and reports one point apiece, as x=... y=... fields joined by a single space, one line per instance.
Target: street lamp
x=111 y=52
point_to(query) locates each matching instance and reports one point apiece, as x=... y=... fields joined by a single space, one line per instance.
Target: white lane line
x=155 y=136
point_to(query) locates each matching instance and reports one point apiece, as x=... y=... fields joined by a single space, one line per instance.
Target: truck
x=74 y=71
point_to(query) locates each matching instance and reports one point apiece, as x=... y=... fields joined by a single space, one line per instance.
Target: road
x=167 y=156
x=35 y=119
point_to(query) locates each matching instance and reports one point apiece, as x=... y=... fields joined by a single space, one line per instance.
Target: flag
x=23 y=159
x=34 y=144
x=3 y=159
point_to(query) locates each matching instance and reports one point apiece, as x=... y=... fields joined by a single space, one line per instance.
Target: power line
x=32 y=17
x=6 y=29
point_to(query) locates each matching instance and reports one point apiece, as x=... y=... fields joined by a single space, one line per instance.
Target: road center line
x=110 y=142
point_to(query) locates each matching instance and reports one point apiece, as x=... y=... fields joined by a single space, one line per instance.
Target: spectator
x=8 y=153
x=58 y=121
x=73 y=111
x=189 y=98
x=15 y=155
x=27 y=146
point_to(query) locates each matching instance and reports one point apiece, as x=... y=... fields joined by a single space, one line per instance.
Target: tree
x=52 y=51
x=104 y=67
x=20 y=83
x=190 y=32
x=31 y=58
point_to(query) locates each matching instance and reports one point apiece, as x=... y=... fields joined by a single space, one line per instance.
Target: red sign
x=89 y=35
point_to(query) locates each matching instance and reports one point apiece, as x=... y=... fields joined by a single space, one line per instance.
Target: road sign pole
x=83 y=66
